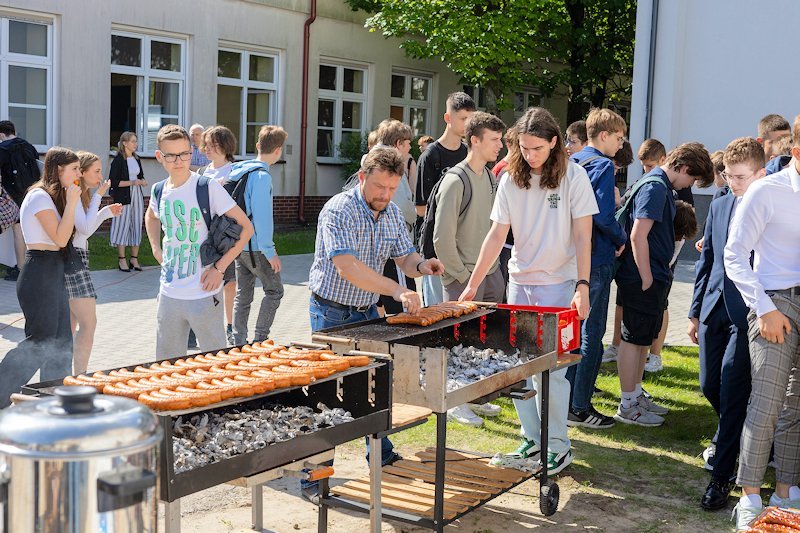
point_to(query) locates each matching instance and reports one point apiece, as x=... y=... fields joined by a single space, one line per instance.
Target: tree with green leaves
x=581 y=47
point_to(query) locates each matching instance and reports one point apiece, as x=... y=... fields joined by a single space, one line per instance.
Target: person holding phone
x=127 y=183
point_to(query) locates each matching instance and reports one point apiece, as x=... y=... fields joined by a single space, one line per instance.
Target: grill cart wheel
x=548 y=498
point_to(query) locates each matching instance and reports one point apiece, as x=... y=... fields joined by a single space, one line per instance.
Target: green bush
x=350 y=151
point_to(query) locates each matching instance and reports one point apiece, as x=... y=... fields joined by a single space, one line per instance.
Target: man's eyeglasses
x=730 y=177
x=171 y=158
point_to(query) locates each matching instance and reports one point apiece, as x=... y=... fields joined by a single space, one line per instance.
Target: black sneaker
x=11 y=274
x=589 y=418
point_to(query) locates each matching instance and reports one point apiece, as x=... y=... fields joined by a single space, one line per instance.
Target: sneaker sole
x=465 y=423
x=609 y=359
x=588 y=425
x=624 y=420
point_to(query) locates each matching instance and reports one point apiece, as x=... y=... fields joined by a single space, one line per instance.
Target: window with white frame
x=26 y=79
x=525 y=99
x=148 y=74
x=411 y=101
x=341 y=107
x=478 y=94
x=247 y=89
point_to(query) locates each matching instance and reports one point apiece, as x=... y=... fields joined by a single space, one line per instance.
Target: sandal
x=137 y=267
x=122 y=259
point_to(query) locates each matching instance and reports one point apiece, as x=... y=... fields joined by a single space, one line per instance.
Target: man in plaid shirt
x=357 y=232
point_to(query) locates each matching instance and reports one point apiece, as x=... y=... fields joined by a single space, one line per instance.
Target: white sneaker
x=786 y=503
x=610 y=355
x=650 y=405
x=485 y=409
x=654 y=363
x=638 y=416
x=464 y=415
x=745 y=515
x=708 y=454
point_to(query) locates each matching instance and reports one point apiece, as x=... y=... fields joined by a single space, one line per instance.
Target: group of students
x=59 y=212
x=573 y=233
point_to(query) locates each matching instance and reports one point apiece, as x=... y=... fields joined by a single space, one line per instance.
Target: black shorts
x=642 y=311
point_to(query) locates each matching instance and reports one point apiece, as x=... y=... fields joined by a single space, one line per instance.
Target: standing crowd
x=544 y=225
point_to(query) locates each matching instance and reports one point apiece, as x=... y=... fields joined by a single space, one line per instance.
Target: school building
x=80 y=73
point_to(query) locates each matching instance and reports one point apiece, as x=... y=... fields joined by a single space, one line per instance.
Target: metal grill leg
x=172 y=516
x=545 y=399
x=441 y=456
x=258 y=507
x=322 y=511
x=375 y=457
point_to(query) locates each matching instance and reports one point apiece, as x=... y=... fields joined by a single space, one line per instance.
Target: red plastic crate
x=568 y=329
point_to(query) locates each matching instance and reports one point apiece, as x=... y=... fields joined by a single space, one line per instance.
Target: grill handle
x=382 y=356
x=331 y=339
x=320 y=473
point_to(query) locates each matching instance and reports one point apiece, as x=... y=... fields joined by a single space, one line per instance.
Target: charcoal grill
x=542 y=335
x=363 y=391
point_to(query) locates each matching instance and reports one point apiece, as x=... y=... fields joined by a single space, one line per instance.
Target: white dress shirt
x=88 y=220
x=768 y=222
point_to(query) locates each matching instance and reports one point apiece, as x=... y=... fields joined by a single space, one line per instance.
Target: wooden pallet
x=408 y=485
x=404 y=414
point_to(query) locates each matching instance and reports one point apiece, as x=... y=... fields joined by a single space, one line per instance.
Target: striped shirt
x=347 y=227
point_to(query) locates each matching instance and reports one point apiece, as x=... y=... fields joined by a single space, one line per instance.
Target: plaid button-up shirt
x=199 y=158
x=347 y=227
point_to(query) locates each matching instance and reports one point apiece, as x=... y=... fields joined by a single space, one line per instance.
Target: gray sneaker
x=652 y=406
x=638 y=416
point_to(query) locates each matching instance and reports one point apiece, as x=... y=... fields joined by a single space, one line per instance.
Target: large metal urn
x=78 y=462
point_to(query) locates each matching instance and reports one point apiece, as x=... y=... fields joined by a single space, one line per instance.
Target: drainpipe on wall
x=301 y=211
x=651 y=66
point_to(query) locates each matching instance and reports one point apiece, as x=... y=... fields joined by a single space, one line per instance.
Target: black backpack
x=19 y=169
x=426 y=234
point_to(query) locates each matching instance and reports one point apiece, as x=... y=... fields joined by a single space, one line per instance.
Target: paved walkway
x=126 y=312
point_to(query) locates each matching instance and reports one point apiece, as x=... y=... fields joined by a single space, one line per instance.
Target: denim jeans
x=583 y=376
x=322 y=317
x=529 y=411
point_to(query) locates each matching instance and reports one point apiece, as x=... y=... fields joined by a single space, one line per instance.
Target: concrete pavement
x=126 y=312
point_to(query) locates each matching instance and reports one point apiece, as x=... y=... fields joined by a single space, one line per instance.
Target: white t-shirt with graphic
x=220 y=175
x=541 y=219
x=184 y=232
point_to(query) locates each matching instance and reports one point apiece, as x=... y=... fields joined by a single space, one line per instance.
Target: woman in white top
x=127 y=183
x=548 y=202
x=47 y=221
x=80 y=289
x=220 y=145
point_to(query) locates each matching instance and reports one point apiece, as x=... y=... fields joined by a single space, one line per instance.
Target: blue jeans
x=583 y=376
x=322 y=317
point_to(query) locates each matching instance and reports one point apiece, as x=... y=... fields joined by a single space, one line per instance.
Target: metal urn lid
x=76 y=424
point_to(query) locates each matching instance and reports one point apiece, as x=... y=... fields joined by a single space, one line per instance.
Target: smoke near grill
x=209 y=437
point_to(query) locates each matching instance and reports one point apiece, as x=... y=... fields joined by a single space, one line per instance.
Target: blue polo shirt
x=607 y=233
x=653 y=201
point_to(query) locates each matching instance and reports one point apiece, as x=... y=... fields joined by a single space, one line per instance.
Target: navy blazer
x=712 y=285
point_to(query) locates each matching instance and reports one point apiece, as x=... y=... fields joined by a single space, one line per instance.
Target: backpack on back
x=426 y=234
x=20 y=170
x=623 y=214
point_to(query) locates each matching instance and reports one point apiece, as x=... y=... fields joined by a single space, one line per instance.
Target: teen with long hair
x=548 y=202
x=47 y=220
x=80 y=289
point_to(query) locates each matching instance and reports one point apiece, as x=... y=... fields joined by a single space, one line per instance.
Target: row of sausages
x=433 y=314
x=207 y=379
x=776 y=520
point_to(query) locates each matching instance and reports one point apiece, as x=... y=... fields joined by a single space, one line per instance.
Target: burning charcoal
x=466 y=365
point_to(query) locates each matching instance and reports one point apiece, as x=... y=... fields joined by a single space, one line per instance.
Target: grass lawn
x=651 y=476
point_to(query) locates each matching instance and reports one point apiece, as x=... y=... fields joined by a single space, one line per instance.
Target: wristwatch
x=582 y=282
x=418 y=264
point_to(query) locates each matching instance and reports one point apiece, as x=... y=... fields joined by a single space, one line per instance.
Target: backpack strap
x=158 y=189
x=467 y=197
x=203 y=199
x=622 y=212
x=587 y=160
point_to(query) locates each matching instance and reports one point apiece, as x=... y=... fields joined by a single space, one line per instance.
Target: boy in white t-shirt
x=188 y=293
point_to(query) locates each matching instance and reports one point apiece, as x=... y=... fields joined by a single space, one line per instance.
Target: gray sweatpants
x=246 y=273
x=176 y=317
x=773 y=413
